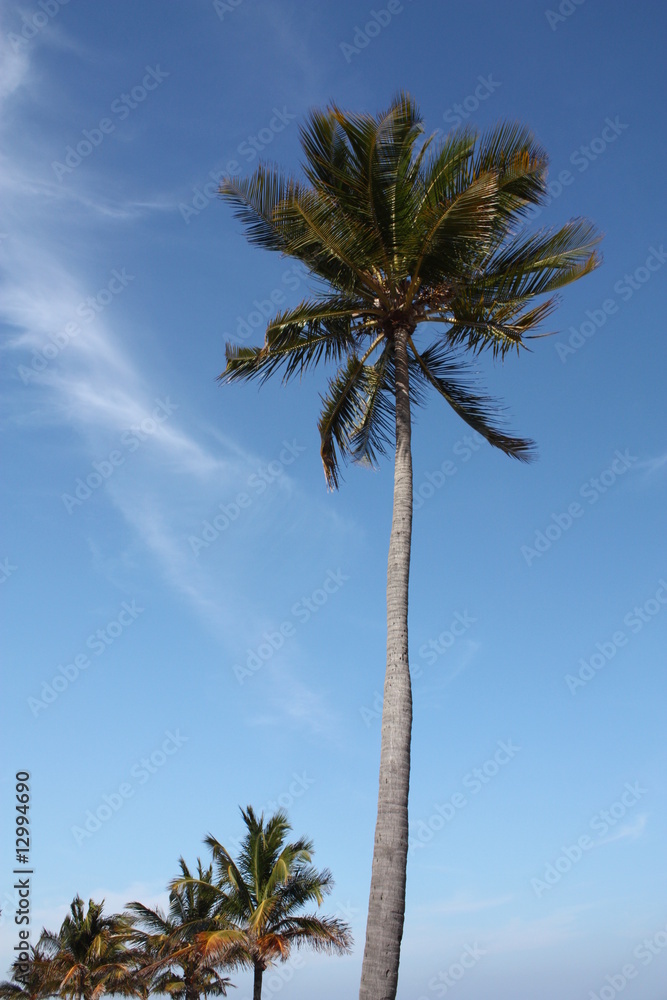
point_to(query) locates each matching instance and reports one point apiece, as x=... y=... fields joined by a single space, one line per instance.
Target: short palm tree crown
x=89 y=955
x=262 y=896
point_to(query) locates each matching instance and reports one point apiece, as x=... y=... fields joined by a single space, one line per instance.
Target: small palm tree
x=168 y=956
x=261 y=896
x=400 y=233
x=31 y=980
x=89 y=956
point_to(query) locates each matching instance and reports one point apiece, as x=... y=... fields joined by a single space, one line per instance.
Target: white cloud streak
x=88 y=382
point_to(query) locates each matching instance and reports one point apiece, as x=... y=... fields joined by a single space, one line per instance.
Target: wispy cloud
x=631 y=831
x=487 y=920
x=524 y=934
x=13 y=62
x=656 y=464
x=70 y=363
x=294 y=704
x=447 y=668
x=464 y=903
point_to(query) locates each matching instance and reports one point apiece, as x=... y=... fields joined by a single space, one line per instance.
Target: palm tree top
x=399 y=232
x=261 y=896
x=90 y=953
x=31 y=980
x=167 y=951
x=271 y=875
x=191 y=899
x=85 y=935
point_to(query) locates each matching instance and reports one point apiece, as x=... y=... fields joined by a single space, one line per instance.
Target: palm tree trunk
x=386 y=907
x=257 y=984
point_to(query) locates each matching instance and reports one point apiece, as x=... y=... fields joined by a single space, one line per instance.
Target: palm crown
x=261 y=894
x=402 y=233
x=89 y=955
x=31 y=980
x=168 y=952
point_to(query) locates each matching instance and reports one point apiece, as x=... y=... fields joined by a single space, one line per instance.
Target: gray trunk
x=257 y=984
x=386 y=907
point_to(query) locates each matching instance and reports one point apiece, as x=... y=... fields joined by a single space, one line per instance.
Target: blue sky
x=213 y=617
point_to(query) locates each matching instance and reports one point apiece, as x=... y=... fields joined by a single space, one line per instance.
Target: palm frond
x=297 y=339
x=511 y=150
x=458 y=231
x=256 y=199
x=345 y=410
x=443 y=371
x=373 y=432
x=327 y=934
x=542 y=262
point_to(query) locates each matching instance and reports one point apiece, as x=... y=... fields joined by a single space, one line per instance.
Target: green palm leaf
x=442 y=370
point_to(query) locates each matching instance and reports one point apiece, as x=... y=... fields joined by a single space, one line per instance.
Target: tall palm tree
x=31 y=980
x=89 y=956
x=166 y=945
x=261 y=895
x=400 y=233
